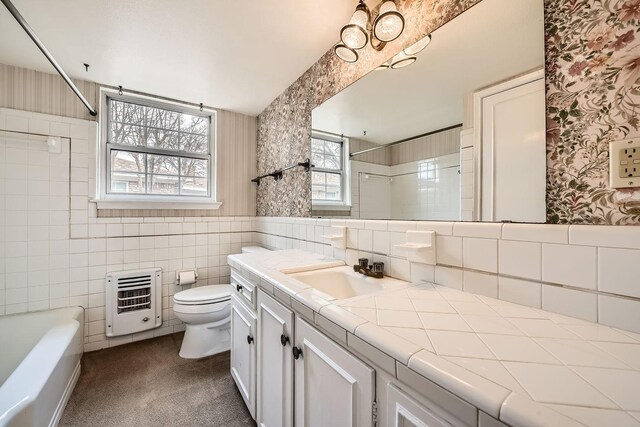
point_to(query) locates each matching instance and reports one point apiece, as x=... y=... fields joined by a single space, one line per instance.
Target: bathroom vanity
x=303 y=357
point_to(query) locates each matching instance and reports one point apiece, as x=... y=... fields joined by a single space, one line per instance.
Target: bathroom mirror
x=454 y=132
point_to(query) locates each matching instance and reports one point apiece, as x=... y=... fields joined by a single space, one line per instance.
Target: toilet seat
x=203 y=295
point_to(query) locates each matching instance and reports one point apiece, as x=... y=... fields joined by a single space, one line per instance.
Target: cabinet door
x=275 y=363
x=404 y=411
x=332 y=387
x=243 y=352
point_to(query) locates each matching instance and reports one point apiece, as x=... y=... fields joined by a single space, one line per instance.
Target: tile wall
x=581 y=271
x=427 y=189
x=55 y=251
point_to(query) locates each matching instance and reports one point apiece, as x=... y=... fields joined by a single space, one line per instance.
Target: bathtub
x=39 y=365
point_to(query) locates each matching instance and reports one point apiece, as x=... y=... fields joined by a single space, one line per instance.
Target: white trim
x=330 y=207
x=477 y=131
x=146 y=204
x=105 y=200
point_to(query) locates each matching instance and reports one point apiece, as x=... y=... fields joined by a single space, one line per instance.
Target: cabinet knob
x=284 y=340
x=249 y=339
x=296 y=353
x=239 y=288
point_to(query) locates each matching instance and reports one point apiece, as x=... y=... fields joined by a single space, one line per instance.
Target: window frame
x=345 y=202
x=108 y=200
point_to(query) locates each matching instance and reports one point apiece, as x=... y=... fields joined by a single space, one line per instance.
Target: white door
x=243 y=352
x=514 y=154
x=275 y=363
x=404 y=411
x=332 y=387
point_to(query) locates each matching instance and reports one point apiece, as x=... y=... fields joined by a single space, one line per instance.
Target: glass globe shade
x=418 y=46
x=345 y=53
x=354 y=34
x=401 y=60
x=389 y=24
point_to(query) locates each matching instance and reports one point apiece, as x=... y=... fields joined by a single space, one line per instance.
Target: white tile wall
x=449 y=250
x=571 y=302
x=532 y=265
x=520 y=259
x=520 y=291
x=619 y=271
x=569 y=265
x=480 y=283
x=480 y=254
x=55 y=252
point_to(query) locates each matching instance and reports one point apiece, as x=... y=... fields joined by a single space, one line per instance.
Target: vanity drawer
x=244 y=289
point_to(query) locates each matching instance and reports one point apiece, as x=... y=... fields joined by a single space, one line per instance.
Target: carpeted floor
x=147 y=384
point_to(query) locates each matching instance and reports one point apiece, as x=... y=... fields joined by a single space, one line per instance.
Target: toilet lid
x=203 y=294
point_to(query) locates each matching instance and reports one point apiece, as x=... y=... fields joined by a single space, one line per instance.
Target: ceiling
x=490 y=42
x=237 y=55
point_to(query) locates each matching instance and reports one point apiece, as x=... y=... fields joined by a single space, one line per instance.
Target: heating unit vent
x=134 y=301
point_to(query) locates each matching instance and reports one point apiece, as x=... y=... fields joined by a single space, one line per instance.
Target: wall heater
x=134 y=301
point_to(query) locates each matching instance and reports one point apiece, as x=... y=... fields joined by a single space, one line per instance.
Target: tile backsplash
x=55 y=251
x=588 y=272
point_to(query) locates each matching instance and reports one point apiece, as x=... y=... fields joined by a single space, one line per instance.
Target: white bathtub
x=39 y=365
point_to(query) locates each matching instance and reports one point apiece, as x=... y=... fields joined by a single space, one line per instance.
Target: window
x=156 y=152
x=328 y=175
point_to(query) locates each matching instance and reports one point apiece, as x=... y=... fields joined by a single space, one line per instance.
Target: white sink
x=342 y=282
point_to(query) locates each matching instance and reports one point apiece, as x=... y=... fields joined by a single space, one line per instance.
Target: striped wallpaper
x=30 y=90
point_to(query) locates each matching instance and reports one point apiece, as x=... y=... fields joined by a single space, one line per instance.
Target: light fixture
x=359 y=31
x=418 y=46
x=401 y=60
x=389 y=24
x=381 y=67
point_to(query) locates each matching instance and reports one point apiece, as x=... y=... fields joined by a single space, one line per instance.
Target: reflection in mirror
x=457 y=134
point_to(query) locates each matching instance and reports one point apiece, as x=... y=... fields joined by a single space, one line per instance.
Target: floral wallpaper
x=593 y=98
x=284 y=127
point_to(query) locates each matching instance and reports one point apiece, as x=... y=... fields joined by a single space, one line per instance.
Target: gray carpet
x=147 y=384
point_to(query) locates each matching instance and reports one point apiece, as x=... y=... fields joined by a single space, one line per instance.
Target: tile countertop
x=522 y=365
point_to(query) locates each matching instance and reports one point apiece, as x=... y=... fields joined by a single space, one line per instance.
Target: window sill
x=330 y=207
x=153 y=204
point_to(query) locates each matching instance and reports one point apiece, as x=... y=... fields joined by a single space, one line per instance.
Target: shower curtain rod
x=25 y=26
x=433 y=132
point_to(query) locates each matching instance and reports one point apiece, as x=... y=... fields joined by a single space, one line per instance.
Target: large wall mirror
x=454 y=132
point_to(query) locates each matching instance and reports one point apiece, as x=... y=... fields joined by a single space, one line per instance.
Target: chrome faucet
x=376 y=270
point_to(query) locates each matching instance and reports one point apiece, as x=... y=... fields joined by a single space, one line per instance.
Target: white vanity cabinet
x=243 y=351
x=275 y=363
x=332 y=387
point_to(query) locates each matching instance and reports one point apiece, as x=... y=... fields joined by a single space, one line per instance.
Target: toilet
x=206 y=311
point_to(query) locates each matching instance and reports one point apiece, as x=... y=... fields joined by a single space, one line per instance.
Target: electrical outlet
x=624 y=163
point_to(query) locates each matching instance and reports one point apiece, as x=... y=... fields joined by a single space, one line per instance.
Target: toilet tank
x=253 y=249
